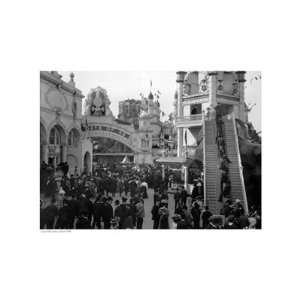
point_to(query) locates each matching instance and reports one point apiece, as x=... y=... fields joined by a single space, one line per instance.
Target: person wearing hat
x=86 y=205
x=176 y=219
x=49 y=215
x=164 y=215
x=177 y=198
x=196 y=212
x=155 y=214
x=205 y=217
x=123 y=213
x=107 y=213
x=98 y=212
x=140 y=214
x=64 y=216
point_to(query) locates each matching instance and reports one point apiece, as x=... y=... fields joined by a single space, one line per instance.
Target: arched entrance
x=57 y=145
x=107 y=150
x=87 y=162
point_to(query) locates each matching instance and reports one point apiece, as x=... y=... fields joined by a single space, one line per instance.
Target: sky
x=121 y=85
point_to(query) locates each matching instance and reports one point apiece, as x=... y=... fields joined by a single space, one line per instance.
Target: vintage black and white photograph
x=150 y=150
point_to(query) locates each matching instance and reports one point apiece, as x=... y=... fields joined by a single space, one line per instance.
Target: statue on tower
x=97 y=103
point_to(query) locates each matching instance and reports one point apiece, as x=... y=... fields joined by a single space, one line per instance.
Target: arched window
x=73 y=138
x=55 y=137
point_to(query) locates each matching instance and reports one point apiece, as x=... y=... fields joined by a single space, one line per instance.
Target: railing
x=240 y=163
x=189 y=118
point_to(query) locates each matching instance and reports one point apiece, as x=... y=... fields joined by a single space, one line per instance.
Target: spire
x=150 y=96
x=71 y=81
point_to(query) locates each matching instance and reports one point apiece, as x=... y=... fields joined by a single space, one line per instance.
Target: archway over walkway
x=108 y=151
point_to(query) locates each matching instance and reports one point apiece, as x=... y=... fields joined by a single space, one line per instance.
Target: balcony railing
x=189 y=118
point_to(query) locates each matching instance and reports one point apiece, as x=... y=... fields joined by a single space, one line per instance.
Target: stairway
x=211 y=169
x=236 y=177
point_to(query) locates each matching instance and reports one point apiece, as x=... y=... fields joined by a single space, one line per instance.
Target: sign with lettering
x=109 y=129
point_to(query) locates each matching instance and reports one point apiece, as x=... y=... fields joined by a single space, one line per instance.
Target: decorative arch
x=59 y=123
x=74 y=126
x=57 y=135
x=113 y=136
x=73 y=137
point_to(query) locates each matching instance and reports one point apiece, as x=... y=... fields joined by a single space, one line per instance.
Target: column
x=243 y=115
x=180 y=80
x=45 y=153
x=179 y=141
x=212 y=89
x=64 y=152
x=185 y=170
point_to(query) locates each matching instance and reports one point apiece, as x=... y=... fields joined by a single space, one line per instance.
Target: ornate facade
x=61 y=138
x=89 y=134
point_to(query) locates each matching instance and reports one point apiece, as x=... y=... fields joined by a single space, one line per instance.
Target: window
x=73 y=138
x=55 y=137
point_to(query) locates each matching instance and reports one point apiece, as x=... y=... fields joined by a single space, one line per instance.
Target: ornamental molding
x=111 y=135
x=48 y=77
x=128 y=129
x=62 y=114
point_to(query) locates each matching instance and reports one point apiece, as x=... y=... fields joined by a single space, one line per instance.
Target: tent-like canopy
x=125 y=161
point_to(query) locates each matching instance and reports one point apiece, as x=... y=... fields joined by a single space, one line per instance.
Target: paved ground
x=148 y=203
x=148 y=223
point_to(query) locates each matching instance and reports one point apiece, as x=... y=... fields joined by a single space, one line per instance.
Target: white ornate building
x=61 y=138
x=92 y=135
x=113 y=139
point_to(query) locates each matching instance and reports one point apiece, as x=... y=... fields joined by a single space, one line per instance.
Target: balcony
x=195 y=99
x=189 y=121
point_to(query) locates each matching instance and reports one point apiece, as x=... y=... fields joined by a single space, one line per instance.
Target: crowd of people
x=114 y=198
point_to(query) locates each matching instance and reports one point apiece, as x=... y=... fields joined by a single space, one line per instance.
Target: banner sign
x=109 y=129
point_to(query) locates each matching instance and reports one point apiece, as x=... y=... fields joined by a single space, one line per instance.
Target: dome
x=150 y=97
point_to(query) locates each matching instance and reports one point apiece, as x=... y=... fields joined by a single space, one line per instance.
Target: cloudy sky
x=121 y=85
